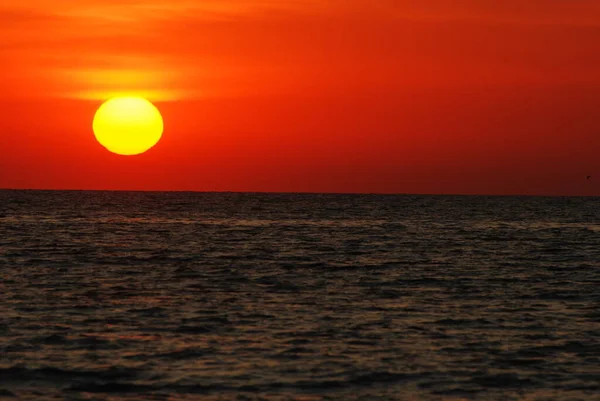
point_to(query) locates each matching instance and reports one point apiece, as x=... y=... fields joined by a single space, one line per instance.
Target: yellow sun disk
x=128 y=125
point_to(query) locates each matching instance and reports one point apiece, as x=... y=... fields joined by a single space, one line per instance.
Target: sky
x=379 y=96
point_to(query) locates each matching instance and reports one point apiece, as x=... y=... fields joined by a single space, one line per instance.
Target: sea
x=246 y=296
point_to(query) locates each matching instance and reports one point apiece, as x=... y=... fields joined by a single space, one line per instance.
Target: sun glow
x=128 y=125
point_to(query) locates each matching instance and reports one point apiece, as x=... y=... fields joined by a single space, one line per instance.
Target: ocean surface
x=206 y=296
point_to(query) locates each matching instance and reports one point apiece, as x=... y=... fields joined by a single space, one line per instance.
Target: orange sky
x=436 y=96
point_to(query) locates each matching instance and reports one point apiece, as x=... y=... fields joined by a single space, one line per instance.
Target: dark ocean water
x=183 y=296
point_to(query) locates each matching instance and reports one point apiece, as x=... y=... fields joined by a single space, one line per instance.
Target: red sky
x=437 y=96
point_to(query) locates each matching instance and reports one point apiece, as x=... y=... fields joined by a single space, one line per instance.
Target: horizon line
x=301 y=193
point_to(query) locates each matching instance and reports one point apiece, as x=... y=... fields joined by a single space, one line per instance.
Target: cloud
x=268 y=46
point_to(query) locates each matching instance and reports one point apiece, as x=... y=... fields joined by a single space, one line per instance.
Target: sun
x=128 y=125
